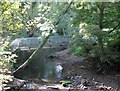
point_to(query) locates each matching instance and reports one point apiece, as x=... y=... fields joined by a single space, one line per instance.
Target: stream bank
x=80 y=73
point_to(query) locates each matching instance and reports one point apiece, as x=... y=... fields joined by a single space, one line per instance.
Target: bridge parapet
x=33 y=42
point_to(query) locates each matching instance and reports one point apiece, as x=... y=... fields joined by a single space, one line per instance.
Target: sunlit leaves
x=11 y=18
x=6 y=65
x=5 y=69
x=5 y=78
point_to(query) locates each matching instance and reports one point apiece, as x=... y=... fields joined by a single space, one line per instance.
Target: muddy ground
x=81 y=72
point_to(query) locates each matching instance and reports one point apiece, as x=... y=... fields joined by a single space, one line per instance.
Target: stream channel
x=41 y=68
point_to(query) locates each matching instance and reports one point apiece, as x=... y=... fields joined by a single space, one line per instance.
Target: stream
x=46 y=74
x=41 y=68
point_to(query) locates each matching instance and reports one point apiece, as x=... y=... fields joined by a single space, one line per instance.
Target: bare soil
x=78 y=69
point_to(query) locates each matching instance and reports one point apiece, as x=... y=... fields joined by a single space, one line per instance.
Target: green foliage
x=88 y=12
x=92 y=37
x=84 y=41
x=54 y=12
x=10 y=18
x=20 y=19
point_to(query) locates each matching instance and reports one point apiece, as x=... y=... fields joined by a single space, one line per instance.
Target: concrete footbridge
x=34 y=42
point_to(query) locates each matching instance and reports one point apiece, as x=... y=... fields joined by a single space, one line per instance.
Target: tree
x=104 y=15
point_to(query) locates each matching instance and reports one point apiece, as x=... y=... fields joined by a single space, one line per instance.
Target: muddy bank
x=81 y=73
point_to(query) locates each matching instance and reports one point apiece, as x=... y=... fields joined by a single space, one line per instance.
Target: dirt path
x=78 y=69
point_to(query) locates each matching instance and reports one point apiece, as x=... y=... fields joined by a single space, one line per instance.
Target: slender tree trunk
x=101 y=16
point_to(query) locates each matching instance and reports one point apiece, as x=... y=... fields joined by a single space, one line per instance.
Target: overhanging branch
x=117 y=26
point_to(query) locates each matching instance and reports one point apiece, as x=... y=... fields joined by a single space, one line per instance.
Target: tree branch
x=60 y=16
x=117 y=26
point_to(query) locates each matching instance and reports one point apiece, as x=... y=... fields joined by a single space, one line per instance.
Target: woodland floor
x=83 y=75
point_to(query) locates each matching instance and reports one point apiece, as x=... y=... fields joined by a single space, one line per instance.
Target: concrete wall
x=33 y=42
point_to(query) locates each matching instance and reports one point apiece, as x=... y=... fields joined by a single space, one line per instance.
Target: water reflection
x=41 y=66
x=49 y=71
x=58 y=70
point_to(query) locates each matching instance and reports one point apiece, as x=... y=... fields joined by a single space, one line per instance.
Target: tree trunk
x=101 y=16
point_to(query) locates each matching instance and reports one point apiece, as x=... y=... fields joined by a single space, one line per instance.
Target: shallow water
x=41 y=67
